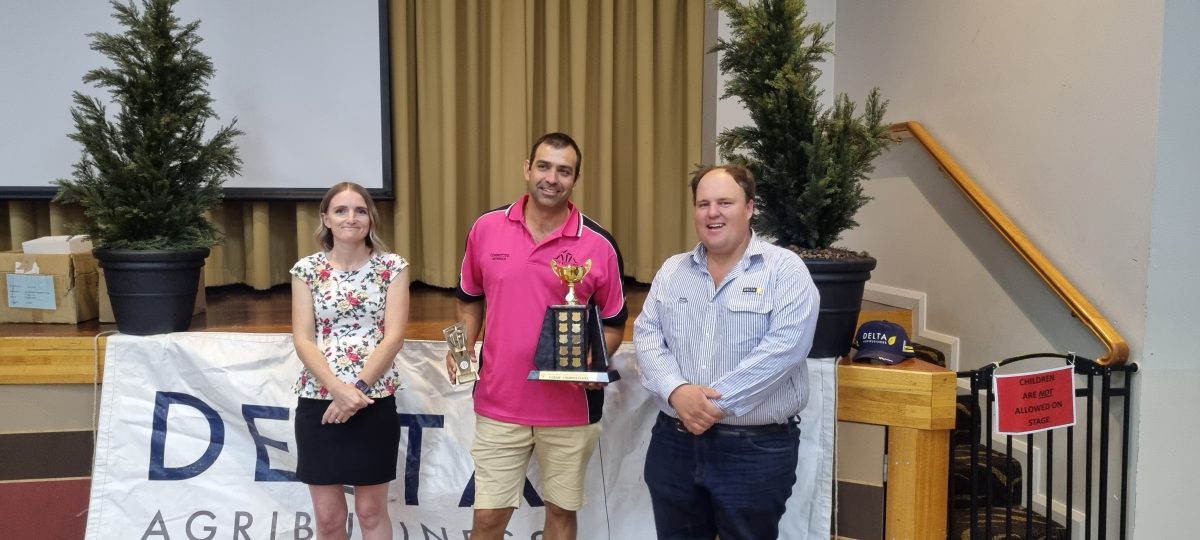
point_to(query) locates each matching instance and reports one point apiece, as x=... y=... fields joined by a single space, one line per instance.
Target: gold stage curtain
x=474 y=82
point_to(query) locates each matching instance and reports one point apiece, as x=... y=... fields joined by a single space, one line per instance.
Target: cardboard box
x=106 y=312
x=57 y=244
x=64 y=290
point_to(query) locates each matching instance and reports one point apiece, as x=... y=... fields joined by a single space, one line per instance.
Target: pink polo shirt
x=504 y=266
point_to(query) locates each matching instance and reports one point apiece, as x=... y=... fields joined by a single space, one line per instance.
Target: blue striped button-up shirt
x=747 y=337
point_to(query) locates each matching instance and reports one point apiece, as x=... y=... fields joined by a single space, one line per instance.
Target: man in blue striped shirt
x=721 y=342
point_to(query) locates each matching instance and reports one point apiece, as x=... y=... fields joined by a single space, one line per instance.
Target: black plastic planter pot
x=152 y=291
x=841 y=283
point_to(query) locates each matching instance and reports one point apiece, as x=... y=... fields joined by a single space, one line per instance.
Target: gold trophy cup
x=571 y=274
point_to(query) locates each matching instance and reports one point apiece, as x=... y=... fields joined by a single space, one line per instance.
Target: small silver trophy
x=457 y=340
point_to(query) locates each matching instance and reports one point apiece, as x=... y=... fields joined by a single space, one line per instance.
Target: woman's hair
x=325 y=236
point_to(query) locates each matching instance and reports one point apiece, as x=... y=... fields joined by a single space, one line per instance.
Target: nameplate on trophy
x=571 y=345
x=584 y=376
x=457 y=340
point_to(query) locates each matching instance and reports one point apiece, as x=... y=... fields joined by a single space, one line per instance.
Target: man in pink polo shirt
x=507 y=263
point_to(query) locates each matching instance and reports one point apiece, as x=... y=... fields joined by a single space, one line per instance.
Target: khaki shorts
x=501 y=451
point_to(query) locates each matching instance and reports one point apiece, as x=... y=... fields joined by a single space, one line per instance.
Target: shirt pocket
x=755 y=304
x=679 y=323
x=747 y=320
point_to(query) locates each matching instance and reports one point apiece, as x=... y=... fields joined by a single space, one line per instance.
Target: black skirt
x=360 y=452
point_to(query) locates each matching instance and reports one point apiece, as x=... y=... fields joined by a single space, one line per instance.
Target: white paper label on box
x=31 y=291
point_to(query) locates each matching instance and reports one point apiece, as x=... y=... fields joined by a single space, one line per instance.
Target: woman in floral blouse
x=349 y=311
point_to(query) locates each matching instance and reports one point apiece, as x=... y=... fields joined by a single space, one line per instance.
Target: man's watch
x=362 y=386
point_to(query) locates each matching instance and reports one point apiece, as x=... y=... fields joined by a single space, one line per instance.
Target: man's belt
x=731 y=430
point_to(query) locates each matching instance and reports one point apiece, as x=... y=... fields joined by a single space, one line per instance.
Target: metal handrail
x=1118 y=349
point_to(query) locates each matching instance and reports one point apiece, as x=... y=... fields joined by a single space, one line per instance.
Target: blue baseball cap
x=882 y=340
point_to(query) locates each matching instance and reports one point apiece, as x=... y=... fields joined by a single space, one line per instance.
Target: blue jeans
x=724 y=482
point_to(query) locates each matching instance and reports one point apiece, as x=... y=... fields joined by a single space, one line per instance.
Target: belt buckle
x=673 y=422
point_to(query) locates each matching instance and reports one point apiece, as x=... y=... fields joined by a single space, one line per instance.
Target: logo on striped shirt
x=752 y=290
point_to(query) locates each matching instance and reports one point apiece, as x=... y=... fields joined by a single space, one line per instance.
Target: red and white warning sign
x=1033 y=402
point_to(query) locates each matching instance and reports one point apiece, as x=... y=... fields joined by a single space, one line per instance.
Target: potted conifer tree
x=147 y=177
x=808 y=162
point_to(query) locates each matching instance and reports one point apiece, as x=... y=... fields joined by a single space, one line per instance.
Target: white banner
x=195 y=442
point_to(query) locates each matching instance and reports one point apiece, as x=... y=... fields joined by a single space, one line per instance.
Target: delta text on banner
x=195 y=441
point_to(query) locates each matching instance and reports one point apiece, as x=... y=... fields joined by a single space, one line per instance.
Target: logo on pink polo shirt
x=565 y=258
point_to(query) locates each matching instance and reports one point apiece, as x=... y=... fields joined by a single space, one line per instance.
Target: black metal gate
x=992 y=492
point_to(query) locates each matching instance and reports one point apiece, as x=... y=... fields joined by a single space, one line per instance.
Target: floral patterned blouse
x=349 y=309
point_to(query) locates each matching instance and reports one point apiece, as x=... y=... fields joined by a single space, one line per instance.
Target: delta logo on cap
x=882 y=340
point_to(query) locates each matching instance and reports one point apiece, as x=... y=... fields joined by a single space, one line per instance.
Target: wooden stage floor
x=71 y=353
x=238 y=308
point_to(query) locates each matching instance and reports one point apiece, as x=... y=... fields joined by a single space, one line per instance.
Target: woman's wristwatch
x=362 y=386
